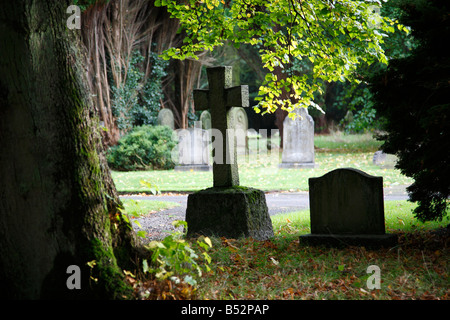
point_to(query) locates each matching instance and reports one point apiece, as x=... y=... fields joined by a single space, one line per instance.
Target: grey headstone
x=165 y=118
x=298 y=141
x=239 y=122
x=193 y=152
x=205 y=119
x=384 y=160
x=348 y=117
x=347 y=207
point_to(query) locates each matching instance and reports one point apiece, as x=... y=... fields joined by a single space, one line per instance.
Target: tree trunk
x=58 y=204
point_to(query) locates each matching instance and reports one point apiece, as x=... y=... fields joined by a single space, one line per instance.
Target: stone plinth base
x=297 y=165
x=368 y=241
x=193 y=167
x=229 y=212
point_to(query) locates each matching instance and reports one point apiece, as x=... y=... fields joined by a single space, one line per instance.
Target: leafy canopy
x=334 y=35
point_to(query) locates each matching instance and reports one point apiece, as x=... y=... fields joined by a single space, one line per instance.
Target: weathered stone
x=205 y=119
x=348 y=118
x=193 y=149
x=384 y=160
x=298 y=141
x=165 y=118
x=229 y=212
x=238 y=121
x=219 y=98
x=226 y=210
x=347 y=207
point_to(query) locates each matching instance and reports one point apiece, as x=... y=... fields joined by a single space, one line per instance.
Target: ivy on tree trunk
x=58 y=203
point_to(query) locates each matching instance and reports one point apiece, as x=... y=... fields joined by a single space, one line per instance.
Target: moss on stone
x=231 y=212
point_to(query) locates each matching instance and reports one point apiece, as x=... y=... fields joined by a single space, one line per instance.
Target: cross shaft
x=219 y=98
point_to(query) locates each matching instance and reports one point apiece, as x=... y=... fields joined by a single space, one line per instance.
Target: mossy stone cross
x=219 y=98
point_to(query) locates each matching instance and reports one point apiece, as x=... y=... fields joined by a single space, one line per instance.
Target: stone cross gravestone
x=226 y=209
x=220 y=97
x=165 y=118
x=298 y=141
x=193 y=149
x=347 y=208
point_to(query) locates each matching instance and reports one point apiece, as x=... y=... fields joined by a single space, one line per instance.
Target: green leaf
x=179 y=223
x=92 y=263
x=156 y=244
x=145 y=267
x=154 y=189
x=190 y=280
x=141 y=233
x=137 y=223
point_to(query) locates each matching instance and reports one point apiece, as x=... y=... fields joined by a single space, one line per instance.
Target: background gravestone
x=298 y=141
x=193 y=149
x=165 y=118
x=239 y=122
x=384 y=160
x=205 y=119
x=347 y=207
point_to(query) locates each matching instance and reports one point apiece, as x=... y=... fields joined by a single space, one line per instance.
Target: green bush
x=412 y=94
x=143 y=148
x=177 y=259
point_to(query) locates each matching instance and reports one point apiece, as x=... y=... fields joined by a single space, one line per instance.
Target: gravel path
x=158 y=224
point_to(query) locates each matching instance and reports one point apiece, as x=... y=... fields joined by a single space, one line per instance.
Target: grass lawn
x=282 y=268
x=332 y=152
x=139 y=208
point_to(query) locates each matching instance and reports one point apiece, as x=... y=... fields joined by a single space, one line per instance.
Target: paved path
x=277 y=202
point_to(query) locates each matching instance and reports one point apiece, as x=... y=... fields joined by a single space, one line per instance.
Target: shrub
x=143 y=148
x=137 y=100
x=413 y=96
x=177 y=259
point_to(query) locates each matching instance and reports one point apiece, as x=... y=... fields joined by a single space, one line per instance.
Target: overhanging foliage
x=335 y=36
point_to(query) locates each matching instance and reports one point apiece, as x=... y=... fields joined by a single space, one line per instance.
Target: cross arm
x=201 y=99
x=237 y=96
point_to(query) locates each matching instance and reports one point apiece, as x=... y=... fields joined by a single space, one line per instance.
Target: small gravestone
x=347 y=208
x=384 y=160
x=205 y=119
x=298 y=141
x=165 y=118
x=348 y=118
x=193 y=149
x=239 y=122
x=226 y=209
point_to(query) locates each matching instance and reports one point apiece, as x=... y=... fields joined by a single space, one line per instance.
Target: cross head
x=219 y=98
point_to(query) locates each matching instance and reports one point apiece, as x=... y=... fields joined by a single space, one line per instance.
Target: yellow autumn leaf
x=208 y=241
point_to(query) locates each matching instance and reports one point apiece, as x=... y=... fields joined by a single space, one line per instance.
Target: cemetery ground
x=332 y=151
x=281 y=268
